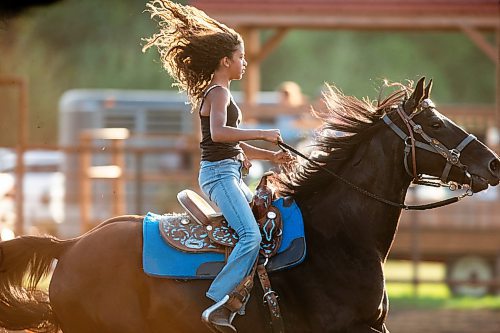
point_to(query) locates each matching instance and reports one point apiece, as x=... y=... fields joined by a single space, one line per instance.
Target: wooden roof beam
x=477 y=38
x=269 y=46
x=358 y=21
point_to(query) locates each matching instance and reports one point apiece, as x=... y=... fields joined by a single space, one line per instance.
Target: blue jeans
x=221 y=182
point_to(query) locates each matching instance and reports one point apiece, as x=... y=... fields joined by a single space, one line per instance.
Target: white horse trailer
x=154 y=119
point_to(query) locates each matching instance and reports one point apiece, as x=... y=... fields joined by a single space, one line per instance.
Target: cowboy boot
x=218 y=318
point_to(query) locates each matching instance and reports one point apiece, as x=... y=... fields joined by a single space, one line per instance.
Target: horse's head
x=441 y=148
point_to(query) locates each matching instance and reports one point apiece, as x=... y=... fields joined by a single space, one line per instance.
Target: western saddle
x=268 y=217
x=222 y=239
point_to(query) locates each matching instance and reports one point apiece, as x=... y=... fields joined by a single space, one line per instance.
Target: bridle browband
x=433 y=145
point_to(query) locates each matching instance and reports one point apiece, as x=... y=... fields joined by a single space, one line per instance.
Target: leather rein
x=433 y=145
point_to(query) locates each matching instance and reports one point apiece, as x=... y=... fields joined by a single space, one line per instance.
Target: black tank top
x=216 y=151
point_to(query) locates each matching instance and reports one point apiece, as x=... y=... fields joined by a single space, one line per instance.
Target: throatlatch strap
x=271 y=299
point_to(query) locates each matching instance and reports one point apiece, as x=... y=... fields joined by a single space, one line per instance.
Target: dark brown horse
x=98 y=285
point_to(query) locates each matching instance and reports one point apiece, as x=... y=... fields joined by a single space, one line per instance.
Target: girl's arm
x=255 y=153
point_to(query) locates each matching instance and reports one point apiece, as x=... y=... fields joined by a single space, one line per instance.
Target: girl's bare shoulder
x=218 y=95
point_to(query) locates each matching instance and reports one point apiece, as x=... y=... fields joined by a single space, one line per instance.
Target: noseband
x=433 y=145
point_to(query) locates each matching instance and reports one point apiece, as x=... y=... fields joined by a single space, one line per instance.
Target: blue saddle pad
x=161 y=260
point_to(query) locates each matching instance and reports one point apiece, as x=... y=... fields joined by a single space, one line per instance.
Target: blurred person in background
x=291 y=94
x=296 y=120
x=203 y=56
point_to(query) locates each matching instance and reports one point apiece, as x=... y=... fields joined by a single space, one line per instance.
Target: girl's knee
x=250 y=236
x=254 y=238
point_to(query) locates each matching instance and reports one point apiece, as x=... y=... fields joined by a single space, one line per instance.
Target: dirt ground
x=438 y=321
x=444 y=321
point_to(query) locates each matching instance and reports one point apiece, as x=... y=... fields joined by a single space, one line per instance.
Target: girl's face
x=237 y=63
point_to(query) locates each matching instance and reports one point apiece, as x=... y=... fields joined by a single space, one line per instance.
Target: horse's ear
x=427 y=93
x=416 y=97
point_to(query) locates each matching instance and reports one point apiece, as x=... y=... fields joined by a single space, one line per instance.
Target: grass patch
x=435 y=296
x=429 y=295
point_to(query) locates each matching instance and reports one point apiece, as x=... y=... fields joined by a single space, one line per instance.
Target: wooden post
x=85 y=183
x=251 y=83
x=118 y=183
x=139 y=160
x=113 y=172
x=21 y=148
x=22 y=142
x=256 y=53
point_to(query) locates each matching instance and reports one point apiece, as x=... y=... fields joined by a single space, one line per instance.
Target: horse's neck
x=378 y=169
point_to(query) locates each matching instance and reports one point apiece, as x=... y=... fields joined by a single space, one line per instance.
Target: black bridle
x=433 y=145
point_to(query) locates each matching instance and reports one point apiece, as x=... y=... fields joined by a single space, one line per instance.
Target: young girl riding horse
x=203 y=56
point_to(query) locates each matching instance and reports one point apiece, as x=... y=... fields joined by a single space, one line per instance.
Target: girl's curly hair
x=190 y=44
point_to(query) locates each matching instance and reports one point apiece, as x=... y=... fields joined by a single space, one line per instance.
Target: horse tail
x=24 y=261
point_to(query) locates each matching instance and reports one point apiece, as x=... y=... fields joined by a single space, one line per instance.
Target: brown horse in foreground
x=98 y=285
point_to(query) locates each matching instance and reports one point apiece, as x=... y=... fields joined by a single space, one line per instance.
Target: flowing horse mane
x=346 y=124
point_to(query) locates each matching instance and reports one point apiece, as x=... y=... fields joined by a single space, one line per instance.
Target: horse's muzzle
x=494 y=168
x=482 y=181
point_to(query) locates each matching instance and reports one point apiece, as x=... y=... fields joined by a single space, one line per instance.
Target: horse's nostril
x=495 y=167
